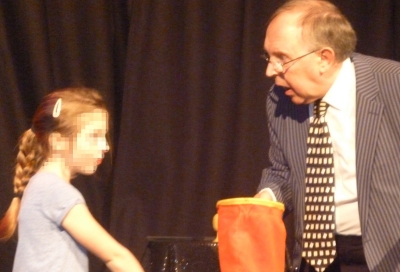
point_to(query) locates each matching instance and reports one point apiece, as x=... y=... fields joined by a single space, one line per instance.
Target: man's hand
x=264 y=194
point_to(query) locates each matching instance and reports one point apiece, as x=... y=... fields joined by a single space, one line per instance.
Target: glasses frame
x=278 y=66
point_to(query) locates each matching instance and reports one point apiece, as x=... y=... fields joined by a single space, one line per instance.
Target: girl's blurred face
x=90 y=143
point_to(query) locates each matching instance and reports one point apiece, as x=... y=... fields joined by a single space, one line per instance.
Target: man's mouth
x=287 y=90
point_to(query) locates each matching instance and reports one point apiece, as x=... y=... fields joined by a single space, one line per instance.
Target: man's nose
x=270 y=71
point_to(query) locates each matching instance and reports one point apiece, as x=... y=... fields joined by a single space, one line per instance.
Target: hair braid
x=30 y=157
x=34 y=144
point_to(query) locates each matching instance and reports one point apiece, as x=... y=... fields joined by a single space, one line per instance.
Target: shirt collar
x=343 y=86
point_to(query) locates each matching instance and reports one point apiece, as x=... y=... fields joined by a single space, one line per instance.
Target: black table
x=181 y=254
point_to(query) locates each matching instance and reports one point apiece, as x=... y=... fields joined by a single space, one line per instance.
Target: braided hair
x=56 y=113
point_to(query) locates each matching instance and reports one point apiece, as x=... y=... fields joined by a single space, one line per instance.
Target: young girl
x=55 y=227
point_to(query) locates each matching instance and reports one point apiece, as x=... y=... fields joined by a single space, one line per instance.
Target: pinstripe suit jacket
x=377 y=159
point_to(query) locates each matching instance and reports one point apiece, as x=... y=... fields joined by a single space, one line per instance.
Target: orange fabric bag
x=251 y=235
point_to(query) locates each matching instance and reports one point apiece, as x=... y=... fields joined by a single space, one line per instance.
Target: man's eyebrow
x=278 y=55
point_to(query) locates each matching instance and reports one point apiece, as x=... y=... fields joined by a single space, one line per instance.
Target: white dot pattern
x=319 y=246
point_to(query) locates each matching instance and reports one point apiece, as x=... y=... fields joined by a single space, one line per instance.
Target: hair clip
x=57 y=108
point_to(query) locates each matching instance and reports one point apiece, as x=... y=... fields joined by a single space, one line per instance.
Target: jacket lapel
x=368 y=116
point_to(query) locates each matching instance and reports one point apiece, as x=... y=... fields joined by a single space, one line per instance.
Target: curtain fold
x=193 y=126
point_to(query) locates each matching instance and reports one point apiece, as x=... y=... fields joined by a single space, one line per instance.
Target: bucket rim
x=250 y=201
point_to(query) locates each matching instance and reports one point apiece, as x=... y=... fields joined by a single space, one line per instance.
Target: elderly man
x=346 y=209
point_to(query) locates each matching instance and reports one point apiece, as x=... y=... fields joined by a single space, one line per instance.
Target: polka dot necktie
x=319 y=246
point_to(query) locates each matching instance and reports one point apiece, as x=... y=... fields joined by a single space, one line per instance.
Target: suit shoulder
x=376 y=65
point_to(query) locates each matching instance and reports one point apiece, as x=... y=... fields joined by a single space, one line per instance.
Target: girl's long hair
x=56 y=113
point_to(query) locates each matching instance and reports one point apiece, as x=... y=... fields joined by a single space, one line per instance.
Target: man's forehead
x=284 y=31
x=287 y=21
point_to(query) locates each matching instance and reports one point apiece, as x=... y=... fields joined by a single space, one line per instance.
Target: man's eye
x=280 y=58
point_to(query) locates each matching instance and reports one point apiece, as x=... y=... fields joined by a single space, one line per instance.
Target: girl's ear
x=58 y=142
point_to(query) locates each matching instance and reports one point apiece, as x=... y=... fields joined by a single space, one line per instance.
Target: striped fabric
x=377 y=159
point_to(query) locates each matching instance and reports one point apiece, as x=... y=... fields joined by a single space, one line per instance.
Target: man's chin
x=298 y=100
x=289 y=92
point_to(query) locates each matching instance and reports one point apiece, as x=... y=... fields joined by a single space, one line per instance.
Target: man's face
x=300 y=78
x=89 y=144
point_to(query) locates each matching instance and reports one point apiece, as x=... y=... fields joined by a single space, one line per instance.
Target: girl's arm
x=84 y=228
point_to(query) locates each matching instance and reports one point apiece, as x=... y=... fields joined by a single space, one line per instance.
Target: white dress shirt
x=341 y=119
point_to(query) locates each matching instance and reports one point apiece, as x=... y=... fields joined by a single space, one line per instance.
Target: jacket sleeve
x=277 y=175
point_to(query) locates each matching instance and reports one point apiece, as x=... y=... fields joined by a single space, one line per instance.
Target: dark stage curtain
x=186 y=89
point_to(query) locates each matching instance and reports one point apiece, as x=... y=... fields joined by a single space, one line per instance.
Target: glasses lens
x=278 y=67
x=265 y=57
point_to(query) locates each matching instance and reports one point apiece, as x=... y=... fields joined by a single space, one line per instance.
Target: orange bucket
x=251 y=235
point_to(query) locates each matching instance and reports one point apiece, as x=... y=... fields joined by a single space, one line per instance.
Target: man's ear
x=327 y=59
x=58 y=142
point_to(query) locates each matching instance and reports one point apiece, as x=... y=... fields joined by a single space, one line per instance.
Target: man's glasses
x=278 y=66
